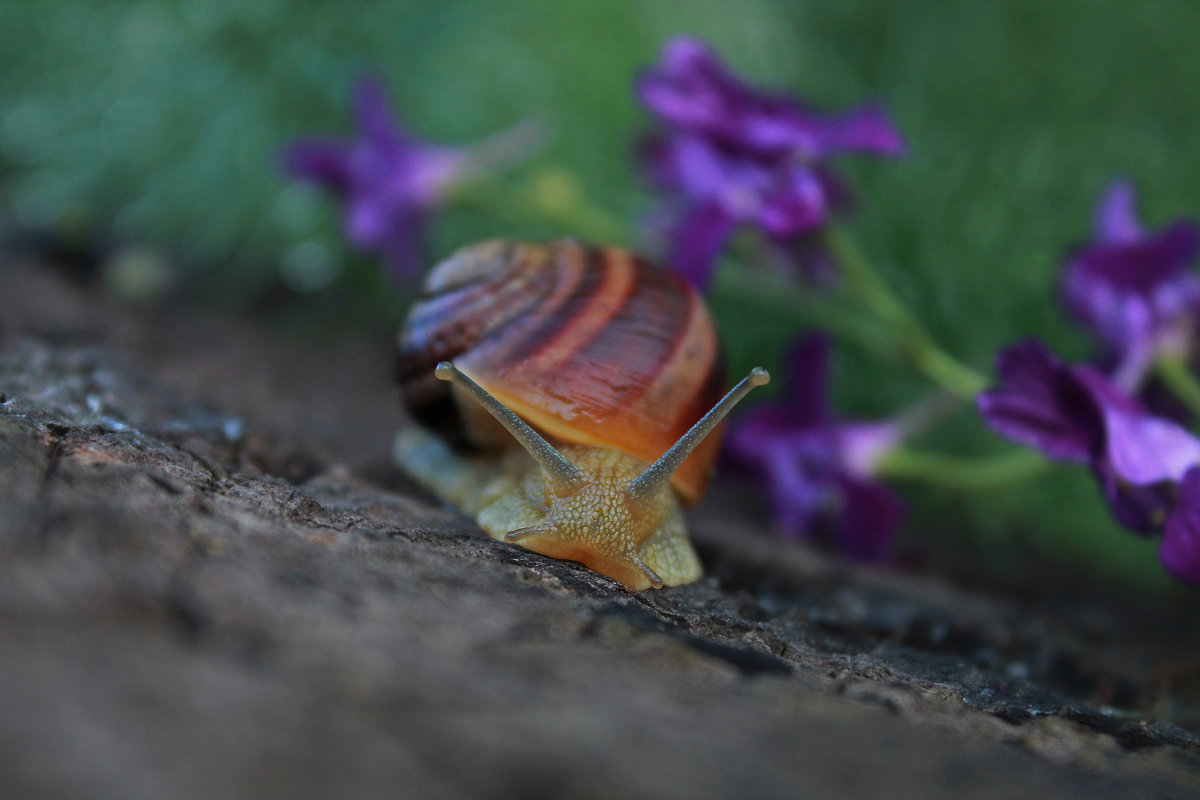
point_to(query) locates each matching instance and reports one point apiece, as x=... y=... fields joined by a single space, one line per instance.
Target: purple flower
x=1133 y=289
x=1180 y=550
x=818 y=469
x=733 y=155
x=387 y=181
x=1075 y=413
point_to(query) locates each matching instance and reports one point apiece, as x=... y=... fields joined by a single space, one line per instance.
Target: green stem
x=960 y=472
x=1180 y=379
x=740 y=283
x=927 y=356
x=551 y=197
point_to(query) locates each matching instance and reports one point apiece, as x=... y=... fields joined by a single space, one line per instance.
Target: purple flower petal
x=693 y=167
x=802 y=404
x=1141 y=267
x=1180 y=549
x=806 y=379
x=758 y=156
x=1116 y=216
x=1038 y=403
x=387 y=182
x=1145 y=450
x=698 y=238
x=322 y=161
x=690 y=88
x=868 y=520
x=1134 y=290
x=818 y=469
x=1078 y=414
x=866 y=129
x=864 y=444
x=1123 y=321
x=798 y=493
x=796 y=206
x=1142 y=509
x=375 y=118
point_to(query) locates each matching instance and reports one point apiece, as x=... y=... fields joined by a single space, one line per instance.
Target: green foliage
x=162 y=121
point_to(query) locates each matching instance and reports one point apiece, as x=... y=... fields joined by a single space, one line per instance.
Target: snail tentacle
x=525 y=533
x=651 y=575
x=566 y=477
x=660 y=472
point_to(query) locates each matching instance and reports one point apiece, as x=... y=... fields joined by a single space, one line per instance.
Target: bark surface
x=211 y=585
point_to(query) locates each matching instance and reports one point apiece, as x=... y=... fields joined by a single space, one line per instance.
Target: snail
x=602 y=367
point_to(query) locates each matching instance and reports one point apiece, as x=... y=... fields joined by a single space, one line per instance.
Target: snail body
x=601 y=367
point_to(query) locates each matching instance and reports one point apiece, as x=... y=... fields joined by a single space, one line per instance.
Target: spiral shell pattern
x=591 y=346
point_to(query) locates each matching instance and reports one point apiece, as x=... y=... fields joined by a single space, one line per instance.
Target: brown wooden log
x=211 y=586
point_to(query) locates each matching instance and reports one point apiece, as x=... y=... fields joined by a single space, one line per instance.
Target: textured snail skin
x=597 y=526
x=609 y=357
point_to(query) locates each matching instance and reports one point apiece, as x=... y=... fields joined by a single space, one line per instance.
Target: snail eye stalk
x=659 y=473
x=566 y=477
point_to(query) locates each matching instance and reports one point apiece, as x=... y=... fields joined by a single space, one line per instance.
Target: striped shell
x=589 y=345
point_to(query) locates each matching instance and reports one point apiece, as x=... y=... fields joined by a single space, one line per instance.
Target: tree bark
x=211 y=585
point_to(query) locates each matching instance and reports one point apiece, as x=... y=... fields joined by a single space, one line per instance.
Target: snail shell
x=592 y=346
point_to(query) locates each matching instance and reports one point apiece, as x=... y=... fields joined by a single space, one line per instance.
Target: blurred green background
x=152 y=131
